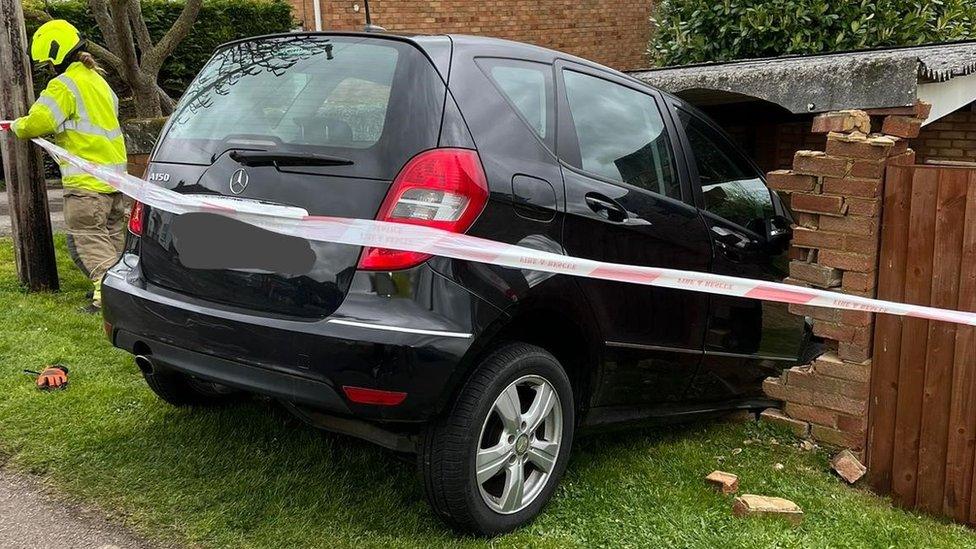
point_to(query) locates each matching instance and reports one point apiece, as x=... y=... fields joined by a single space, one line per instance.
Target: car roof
x=524 y=50
x=480 y=44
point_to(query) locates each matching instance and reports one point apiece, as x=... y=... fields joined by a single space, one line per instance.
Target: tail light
x=442 y=188
x=136 y=218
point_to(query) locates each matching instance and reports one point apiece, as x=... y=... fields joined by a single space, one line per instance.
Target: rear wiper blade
x=264 y=158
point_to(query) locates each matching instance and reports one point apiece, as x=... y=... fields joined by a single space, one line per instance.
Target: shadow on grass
x=253 y=462
x=252 y=465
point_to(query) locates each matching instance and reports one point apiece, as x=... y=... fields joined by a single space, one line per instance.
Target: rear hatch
x=318 y=122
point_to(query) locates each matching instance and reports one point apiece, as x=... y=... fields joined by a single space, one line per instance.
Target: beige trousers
x=96 y=231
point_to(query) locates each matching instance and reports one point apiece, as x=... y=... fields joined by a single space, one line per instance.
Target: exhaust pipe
x=145 y=364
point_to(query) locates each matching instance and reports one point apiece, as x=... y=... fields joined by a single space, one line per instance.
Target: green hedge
x=694 y=31
x=219 y=21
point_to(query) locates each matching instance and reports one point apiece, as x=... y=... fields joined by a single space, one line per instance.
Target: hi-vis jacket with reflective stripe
x=81 y=109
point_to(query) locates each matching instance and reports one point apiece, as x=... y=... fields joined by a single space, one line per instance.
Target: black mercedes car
x=485 y=372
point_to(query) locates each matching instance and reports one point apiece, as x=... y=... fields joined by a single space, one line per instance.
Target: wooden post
x=23 y=164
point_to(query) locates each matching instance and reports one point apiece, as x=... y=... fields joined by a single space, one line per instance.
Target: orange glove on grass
x=53 y=377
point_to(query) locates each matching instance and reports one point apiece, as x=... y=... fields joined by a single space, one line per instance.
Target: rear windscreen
x=374 y=101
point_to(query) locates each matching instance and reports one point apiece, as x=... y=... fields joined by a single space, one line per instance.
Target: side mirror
x=779 y=232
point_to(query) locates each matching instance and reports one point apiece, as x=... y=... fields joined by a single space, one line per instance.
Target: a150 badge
x=159 y=176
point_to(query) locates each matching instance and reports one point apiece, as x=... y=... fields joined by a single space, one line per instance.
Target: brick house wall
x=781 y=144
x=952 y=137
x=612 y=33
x=772 y=145
x=766 y=132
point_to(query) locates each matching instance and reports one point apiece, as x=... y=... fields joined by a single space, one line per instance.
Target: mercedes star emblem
x=238 y=181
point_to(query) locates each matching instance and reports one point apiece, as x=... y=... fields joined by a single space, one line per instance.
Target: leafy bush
x=693 y=31
x=219 y=21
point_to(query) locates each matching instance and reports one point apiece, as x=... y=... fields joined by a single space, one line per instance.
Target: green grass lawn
x=250 y=476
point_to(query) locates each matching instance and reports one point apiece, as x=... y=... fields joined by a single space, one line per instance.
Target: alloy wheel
x=519 y=444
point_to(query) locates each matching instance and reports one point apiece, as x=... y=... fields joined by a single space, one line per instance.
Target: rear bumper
x=402 y=343
x=292 y=388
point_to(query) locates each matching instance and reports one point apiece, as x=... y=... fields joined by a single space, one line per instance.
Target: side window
x=528 y=87
x=621 y=134
x=730 y=185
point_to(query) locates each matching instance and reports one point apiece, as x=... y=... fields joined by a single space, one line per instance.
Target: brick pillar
x=836 y=196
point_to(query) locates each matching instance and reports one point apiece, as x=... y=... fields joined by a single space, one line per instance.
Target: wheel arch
x=561 y=327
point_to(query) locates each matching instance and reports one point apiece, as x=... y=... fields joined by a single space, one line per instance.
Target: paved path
x=30 y=518
x=55 y=200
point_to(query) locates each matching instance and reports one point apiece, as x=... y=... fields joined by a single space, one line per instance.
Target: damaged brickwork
x=836 y=196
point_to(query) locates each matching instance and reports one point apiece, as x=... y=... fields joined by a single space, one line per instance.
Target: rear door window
x=621 y=134
x=375 y=101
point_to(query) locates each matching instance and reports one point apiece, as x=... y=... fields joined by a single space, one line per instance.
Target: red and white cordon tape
x=415 y=238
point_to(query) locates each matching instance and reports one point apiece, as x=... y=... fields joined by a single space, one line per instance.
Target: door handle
x=727 y=237
x=732 y=244
x=608 y=208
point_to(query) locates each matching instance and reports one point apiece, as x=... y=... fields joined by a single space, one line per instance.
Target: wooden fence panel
x=914 y=333
x=887 y=339
x=922 y=415
x=961 y=447
x=940 y=347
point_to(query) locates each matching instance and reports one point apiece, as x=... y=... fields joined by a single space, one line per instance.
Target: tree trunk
x=131 y=53
x=145 y=95
x=22 y=162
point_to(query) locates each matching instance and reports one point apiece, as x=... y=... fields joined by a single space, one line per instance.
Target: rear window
x=363 y=98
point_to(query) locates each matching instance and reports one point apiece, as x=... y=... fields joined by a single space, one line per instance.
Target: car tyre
x=487 y=469
x=180 y=389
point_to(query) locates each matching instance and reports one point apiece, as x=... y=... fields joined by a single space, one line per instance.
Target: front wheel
x=494 y=462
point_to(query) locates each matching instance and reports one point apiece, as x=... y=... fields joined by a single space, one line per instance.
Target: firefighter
x=82 y=112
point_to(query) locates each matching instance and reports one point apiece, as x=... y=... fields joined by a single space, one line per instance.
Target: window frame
x=486 y=63
x=677 y=108
x=567 y=141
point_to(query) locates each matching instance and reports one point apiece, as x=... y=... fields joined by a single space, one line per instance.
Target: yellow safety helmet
x=54 y=41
